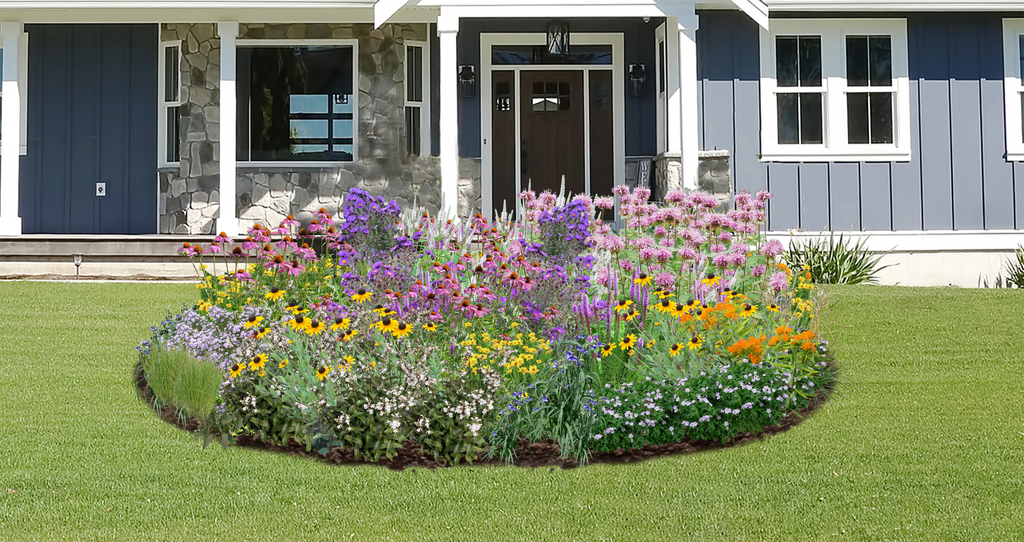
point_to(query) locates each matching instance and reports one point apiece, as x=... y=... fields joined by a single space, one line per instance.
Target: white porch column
x=228 y=221
x=447 y=31
x=688 y=109
x=10 y=131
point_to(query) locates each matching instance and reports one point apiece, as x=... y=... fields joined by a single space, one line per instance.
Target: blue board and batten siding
x=958 y=177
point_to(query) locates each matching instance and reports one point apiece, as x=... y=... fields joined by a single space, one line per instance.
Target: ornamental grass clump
x=836 y=261
x=374 y=332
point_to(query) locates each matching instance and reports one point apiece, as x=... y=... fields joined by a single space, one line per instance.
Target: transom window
x=296 y=103
x=1013 y=58
x=835 y=90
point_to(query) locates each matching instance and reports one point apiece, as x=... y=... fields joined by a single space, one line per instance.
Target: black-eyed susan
x=630 y=315
x=623 y=304
x=679 y=310
x=257 y=362
x=675 y=349
x=773 y=308
x=694 y=342
x=628 y=342
x=321 y=372
x=340 y=323
x=430 y=326
x=666 y=305
x=748 y=309
x=387 y=325
x=643 y=279
x=402 y=330
x=262 y=373
x=662 y=293
x=261 y=333
x=283 y=364
x=361 y=295
x=315 y=327
x=711 y=280
x=253 y=321
x=607 y=349
x=349 y=335
x=380 y=309
x=299 y=323
x=275 y=294
x=236 y=369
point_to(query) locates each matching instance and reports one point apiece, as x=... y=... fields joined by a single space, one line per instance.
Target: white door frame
x=487 y=41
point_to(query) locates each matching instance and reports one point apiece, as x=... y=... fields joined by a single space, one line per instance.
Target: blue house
x=902 y=120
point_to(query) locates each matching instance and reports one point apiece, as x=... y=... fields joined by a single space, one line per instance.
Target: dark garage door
x=92 y=100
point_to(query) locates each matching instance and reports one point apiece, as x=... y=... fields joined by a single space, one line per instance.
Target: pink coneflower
x=190 y=250
x=258 y=234
x=476 y=310
x=267 y=253
x=289 y=221
x=324 y=217
x=241 y=274
x=237 y=252
x=293 y=268
x=315 y=227
x=305 y=252
x=249 y=244
x=276 y=262
x=286 y=242
x=223 y=239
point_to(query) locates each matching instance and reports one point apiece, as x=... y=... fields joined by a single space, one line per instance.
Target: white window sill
x=1015 y=157
x=797 y=156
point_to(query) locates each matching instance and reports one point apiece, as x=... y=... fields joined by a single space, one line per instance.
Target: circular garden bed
x=554 y=339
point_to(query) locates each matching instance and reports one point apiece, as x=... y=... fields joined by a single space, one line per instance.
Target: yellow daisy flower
x=628 y=342
x=675 y=349
x=236 y=370
x=274 y=294
x=402 y=330
x=262 y=333
x=748 y=309
x=623 y=304
x=631 y=315
x=340 y=324
x=262 y=373
x=711 y=280
x=315 y=327
x=361 y=295
x=643 y=279
x=662 y=293
x=694 y=342
x=349 y=335
x=253 y=321
x=321 y=373
x=283 y=364
x=204 y=306
x=666 y=305
x=387 y=325
x=294 y=307
x=298 y=323
x=607 y=349
x=430 y=326
x=257 y=362
x=773 y=308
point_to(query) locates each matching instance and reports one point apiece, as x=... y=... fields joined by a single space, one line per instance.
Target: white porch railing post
x=228 y=219
x=10 y=131
x=688 y=102
x=447 y=31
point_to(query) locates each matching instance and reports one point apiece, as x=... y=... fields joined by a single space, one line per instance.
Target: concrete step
x=141 y=257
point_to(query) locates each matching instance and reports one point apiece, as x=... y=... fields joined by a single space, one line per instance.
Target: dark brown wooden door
x=551 y=130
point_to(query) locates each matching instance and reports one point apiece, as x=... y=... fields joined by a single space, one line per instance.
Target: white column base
x=10 y=225
x=447 y=30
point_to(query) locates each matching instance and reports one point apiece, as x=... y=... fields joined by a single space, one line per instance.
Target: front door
x=551 y=131
x=91 y=151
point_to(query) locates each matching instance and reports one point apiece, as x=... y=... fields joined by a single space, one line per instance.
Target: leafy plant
x=180 y=380
x=835 y=261
x=1015 y=267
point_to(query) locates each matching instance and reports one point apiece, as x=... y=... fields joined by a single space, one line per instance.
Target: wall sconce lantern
x=637 y=78
x=467 y=81
x=558 y=38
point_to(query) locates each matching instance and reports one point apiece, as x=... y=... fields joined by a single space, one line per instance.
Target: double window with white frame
x=1013 y=74
x=417 y=98
x=835 y=90
x=170 y=103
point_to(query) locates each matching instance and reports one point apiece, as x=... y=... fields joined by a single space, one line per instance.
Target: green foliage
x=1015 y=267
x=182 y=381
x=835 y=261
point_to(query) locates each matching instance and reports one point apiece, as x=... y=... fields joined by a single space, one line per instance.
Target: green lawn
x=925 y=441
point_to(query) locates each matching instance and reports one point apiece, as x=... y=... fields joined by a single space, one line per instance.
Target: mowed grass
x=925 y=441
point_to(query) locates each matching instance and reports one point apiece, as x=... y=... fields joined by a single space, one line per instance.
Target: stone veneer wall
x=188 y=194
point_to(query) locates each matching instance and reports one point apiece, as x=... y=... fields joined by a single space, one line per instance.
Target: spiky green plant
x=833 y=261
x=181 y=381
x=1015 y=267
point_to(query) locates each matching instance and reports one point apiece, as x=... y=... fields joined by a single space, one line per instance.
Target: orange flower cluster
x=782 y=335
x=751 y=348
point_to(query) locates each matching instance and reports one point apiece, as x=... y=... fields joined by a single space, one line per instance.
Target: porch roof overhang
x=892 y=5
x=385 y=9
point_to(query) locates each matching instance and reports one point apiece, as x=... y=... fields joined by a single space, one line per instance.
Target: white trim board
x=1013 y=30
x=487 y=41
x=918 y=241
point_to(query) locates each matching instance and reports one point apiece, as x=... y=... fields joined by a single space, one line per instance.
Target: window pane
x=414 y=73
x=810 y=118
x=171 y=87
x=857 y=61
x=810 y=61
x=345 y=151
x=787 y=64
x=881 y=117
x=1021 y=49
x=173 y=145
x=593 y=55
x=880 y=57
x=294 y=100
x=412 y=130
x=661 y=66
x=857 y=118
x=789 y=118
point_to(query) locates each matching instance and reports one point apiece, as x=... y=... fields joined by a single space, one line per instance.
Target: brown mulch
x=529 y=454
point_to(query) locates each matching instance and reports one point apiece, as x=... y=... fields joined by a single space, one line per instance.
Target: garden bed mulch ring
x=529 y=454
